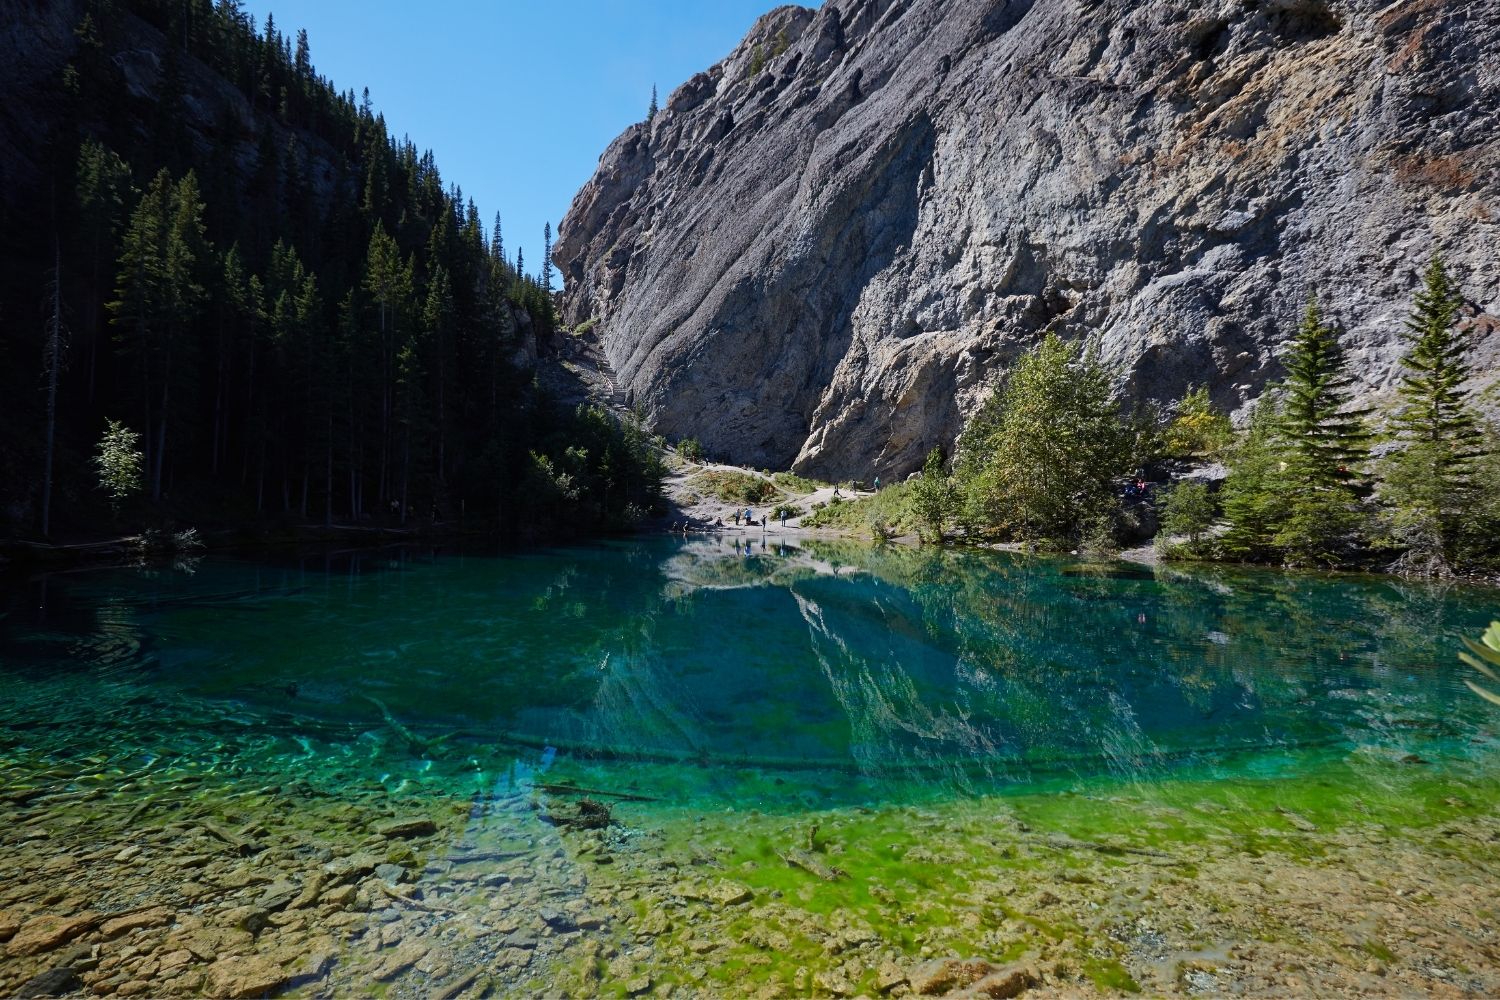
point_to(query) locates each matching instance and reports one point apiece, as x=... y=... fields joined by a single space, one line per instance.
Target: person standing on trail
x=783 y=517
x=736 y=517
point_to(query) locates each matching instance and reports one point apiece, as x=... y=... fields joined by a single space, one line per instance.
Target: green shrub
x=1041 y=459
x=1198 y=430
x=892 y=510
x=1189 y=512
x=690 y=449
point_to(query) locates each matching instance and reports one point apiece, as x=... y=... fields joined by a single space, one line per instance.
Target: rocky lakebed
x=183 y=885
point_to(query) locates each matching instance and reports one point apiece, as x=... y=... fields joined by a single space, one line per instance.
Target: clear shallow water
x=695 y=673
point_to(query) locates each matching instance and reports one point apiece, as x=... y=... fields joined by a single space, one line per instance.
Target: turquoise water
x=785 y=677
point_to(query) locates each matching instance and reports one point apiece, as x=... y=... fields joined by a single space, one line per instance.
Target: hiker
x=736 y=517
x=877 y=484
x=783 y=517
x=836 y=493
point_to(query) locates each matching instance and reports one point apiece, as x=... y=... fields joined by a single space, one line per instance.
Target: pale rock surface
x=825 y=250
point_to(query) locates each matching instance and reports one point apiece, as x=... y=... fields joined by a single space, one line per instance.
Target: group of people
x=748 y=517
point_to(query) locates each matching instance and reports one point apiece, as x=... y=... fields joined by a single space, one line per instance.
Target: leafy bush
x=690 y=449
x=892 y=509
x=934 y=498
x=1041 y=458
x=1198 y=430
x=119 y=463
x=793 y=483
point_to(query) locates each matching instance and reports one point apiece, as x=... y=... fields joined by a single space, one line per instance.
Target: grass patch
x=793 y=483
x=891 y=508
x=733 y=487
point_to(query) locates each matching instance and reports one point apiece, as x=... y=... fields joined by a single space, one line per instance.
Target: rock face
x=825 y=250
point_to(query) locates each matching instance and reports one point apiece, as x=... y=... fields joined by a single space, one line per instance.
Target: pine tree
x=497 y=242
x=1290 y=493
x=103 y=181
x=651 y=111
x=1429 y=477
x=1326 y=440
x=547 y=257
x=1254 y=495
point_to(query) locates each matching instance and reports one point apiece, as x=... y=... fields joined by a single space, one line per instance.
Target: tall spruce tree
x=547 y=257
x=1430 y=476
x=1254 y=497
x=652 y=109
x=1291 y=490
x=1327 y=441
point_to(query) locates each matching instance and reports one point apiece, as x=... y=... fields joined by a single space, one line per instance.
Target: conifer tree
x=652 y=109
x=547 y=257
x=1429 y=477
x=103 y=182
x=1326 y=440
x=1255 y=501
x=1290 y=493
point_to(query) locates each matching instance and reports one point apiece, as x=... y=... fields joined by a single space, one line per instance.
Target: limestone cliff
x=826 y=249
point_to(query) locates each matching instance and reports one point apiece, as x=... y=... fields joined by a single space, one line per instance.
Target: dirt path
x=701 y=511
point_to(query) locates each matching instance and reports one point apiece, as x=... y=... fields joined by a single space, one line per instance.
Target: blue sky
x=516 y=98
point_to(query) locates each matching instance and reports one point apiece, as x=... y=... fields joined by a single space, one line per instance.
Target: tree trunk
x=161 y=429
x=328 y=473
x=54 y=359
x=405 y=473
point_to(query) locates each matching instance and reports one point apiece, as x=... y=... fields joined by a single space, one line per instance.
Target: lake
x=944 y=721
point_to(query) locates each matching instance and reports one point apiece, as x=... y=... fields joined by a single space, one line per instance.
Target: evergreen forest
x=261 y=306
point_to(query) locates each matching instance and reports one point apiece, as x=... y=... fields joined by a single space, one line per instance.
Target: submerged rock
x=52 y=983
x=398 y=829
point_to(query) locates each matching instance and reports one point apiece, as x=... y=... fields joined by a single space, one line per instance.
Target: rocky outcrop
x=825 y=250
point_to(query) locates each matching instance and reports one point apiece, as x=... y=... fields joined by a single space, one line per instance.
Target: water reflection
x=740 y=668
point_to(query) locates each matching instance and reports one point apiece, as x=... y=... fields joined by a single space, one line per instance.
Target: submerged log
x=576 y=790
x=798 y=858
x=1069 y=844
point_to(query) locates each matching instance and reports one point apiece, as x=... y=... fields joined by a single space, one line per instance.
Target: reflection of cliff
x=637 y=705
x=895 y=730
x=718 y=563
